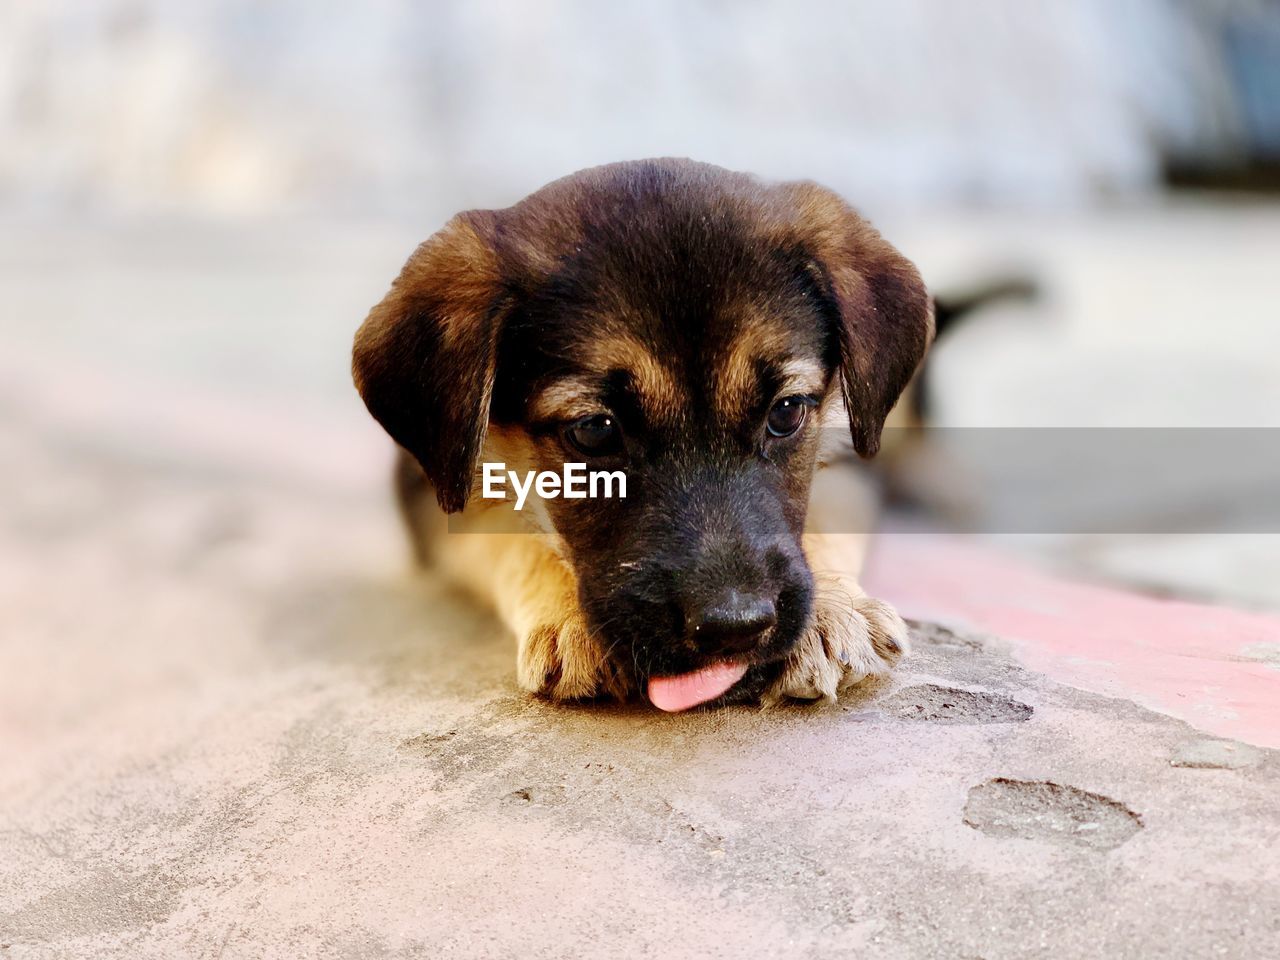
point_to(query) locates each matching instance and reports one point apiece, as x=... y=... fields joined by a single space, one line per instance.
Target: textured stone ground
x=240 y=729
x=233 y=725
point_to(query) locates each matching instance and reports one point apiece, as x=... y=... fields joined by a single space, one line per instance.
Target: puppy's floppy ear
x=424 y=357
x=885 y=314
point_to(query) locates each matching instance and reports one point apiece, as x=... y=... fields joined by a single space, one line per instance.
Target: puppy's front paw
x=562 y=661
x=851 y=638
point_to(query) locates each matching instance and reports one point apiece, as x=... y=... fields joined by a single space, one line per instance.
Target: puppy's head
x=686 y=325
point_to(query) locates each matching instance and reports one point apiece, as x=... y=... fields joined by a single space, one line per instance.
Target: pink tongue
x=690 y=689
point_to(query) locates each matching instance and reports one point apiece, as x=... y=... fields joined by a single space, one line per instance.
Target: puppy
x=691 y=329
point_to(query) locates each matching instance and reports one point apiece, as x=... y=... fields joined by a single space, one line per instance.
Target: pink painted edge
x=1196 y=662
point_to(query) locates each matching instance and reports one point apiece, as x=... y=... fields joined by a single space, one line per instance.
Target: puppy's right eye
x=597 y=436
x=787 y=416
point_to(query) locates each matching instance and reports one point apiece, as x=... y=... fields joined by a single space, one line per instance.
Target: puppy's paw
x=562 y=661
x=851 y=638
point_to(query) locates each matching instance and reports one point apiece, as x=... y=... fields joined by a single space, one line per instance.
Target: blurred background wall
x=235 y=107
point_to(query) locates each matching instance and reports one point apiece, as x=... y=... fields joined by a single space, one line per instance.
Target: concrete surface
x=294 y=750
x=233 y=725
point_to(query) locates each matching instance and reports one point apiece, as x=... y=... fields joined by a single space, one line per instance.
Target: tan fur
x=564 y=400
x=660 y=391
x=802 y=376
x=514 y=563
x=513 y=447
x=575 y=397
x=526 y=582
x=735 y=380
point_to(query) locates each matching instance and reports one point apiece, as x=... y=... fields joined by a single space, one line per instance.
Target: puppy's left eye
x=597 y=436
x=787 y=416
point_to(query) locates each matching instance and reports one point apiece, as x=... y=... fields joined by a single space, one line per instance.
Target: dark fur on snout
x=684 y=301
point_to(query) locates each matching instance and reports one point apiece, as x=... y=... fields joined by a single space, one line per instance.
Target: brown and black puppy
x=692 y=328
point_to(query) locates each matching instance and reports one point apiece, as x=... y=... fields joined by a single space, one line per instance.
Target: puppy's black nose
x=733 y=623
